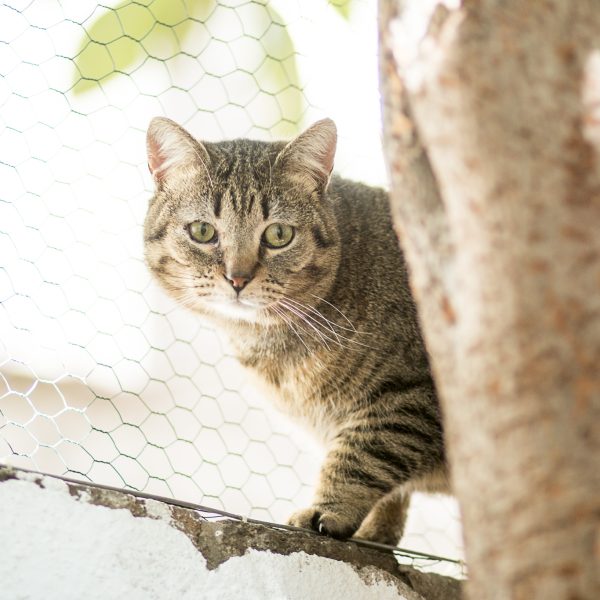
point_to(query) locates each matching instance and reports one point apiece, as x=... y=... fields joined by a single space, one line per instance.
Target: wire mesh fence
x=101 y=376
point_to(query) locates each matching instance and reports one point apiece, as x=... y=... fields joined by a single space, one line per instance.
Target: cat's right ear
x=172 y=150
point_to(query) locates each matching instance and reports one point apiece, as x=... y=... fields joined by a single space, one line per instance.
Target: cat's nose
x=238 y=280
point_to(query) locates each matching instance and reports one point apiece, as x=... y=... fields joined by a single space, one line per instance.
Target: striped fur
x=327 y=323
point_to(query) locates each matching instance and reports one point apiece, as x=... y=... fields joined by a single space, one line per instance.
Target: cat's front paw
x=324 y=521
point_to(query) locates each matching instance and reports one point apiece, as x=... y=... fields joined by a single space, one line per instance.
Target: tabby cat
x=303 y=271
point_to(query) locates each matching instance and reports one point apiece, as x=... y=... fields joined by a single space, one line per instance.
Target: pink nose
x=238 y=281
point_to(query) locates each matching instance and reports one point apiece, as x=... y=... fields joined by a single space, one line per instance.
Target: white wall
x=54 y=545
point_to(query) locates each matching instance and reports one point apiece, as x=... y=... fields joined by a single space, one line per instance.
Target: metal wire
x=207 y=513
x=101 y=376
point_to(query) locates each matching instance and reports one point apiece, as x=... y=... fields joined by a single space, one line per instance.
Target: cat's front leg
x=345 y=495
x=395 y=440
x=385 y=523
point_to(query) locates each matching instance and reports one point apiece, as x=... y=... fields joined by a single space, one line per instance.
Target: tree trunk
x=492 y=137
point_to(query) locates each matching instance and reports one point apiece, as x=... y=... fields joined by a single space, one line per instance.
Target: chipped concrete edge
x=218 y=541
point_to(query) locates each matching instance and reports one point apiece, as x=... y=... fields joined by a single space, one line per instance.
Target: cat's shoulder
x=359 y=199
x=357 y=190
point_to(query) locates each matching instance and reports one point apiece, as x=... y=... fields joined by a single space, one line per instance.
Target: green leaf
x=106 y=29
x=343 y=7
x=279 y=72
x=199 y=10
x=126 y=54
x=121 y=38
x=137 y=20
x=117 y=37
x=169 y=12
x=94 y=61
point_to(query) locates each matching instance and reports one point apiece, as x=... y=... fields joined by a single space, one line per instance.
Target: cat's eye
x=277 y=235
x=202 y=232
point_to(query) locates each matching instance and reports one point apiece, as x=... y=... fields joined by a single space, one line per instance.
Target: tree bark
x=492 y=139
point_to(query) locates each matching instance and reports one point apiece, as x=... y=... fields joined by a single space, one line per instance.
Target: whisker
x=186 y=302
x=185 y=277
x=306 y=317
x=289 y=324
x=188 y=282
x=319 y=314
x=303 y=317
x=337 y=335
x=289 y=319
x=351 y=327
x=336 y=309
x=188 y=289
x=338 y=338
x=299 y=327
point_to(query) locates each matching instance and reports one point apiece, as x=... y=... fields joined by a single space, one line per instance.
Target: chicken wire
x=102 y=377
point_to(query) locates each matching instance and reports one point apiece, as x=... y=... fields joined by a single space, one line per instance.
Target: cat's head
x=242 y=230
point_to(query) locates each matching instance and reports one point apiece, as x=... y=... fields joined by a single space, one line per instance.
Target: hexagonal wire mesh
x=103 y=377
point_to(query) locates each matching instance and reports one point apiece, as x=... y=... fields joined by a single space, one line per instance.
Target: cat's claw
x=324 y=522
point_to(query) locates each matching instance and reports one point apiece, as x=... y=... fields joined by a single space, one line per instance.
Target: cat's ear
x=309 y=157
x=172 y=149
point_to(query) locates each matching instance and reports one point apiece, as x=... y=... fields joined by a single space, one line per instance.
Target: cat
x=302 y=269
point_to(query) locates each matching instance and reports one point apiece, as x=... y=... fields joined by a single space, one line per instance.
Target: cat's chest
x=297 y=391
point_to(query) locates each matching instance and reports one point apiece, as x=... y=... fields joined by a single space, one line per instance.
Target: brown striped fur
x=327 y=322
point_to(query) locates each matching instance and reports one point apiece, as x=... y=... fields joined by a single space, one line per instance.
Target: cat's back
x=365 y=200
x=372 y=267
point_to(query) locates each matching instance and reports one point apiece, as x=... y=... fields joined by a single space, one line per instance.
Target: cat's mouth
x=237 y=308
x=245 y=302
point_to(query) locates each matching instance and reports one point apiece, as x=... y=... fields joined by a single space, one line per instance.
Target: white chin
x=236 y=310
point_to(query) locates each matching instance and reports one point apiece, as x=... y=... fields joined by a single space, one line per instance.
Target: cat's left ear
x=309 y=157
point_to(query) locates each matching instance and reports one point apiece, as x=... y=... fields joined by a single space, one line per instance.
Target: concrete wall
x=61 y=540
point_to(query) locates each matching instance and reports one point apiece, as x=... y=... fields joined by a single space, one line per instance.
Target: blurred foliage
x=120 y=39
x=342 y=6
x=114 y=41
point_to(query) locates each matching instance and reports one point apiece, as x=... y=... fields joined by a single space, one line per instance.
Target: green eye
x=202 y=232
x=278 y=235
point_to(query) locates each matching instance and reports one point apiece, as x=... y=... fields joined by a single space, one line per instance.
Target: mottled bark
x=493 y=148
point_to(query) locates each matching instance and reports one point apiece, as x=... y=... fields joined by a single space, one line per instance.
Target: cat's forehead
x=240 y=162
x=243 y=180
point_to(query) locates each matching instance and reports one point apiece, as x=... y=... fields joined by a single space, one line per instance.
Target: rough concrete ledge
x=115 y=543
